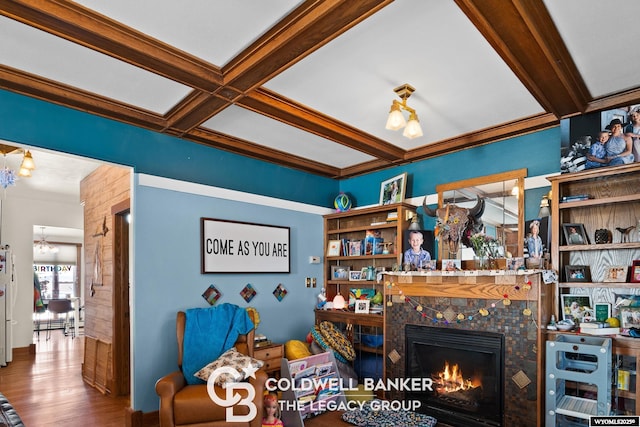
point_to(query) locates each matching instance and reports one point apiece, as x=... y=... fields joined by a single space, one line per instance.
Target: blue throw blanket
x=209 y=332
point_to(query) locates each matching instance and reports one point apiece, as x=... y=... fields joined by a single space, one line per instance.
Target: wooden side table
x=271 y=355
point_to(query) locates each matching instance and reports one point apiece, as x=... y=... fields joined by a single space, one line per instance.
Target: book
x=593 y=325
x=599 y=331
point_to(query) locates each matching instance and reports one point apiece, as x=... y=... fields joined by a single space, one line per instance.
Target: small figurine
x=271 y=411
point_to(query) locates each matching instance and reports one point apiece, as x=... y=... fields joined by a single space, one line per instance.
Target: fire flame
x=451 y=379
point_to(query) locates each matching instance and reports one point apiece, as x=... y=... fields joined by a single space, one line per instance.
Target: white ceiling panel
x=353 y=77
x=597 y=34
x=261 y=130
x=214 y=30
x=45 y=55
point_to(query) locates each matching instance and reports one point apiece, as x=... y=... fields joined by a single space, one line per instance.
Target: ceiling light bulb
x=54 y=249
x=24 y=172
x=413 y=129
x=27 y=161
x=395 y=120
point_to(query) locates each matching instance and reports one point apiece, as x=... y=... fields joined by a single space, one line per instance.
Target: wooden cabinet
x=384 y=225
x=611 y=200
x=271 y=355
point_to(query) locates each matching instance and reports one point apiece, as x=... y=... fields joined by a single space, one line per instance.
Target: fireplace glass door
x=467 y=370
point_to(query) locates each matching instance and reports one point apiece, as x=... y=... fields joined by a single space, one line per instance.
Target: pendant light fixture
x=396 y=120
x=44 y=247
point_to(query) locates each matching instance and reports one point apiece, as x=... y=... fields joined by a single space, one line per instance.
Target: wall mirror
x=503 y=215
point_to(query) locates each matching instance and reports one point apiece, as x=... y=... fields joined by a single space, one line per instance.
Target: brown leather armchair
x=189 y=405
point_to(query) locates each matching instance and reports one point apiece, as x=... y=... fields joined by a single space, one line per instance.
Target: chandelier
x=396 y=120
x=8 y=176
x=44 y=247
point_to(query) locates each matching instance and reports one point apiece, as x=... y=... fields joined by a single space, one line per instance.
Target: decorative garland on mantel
x=449 y=315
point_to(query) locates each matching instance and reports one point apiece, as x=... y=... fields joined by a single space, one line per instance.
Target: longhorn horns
x=475 y=211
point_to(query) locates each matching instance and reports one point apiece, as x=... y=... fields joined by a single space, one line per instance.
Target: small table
x=271 y=355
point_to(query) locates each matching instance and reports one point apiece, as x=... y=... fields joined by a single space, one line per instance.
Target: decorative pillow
x=295 y=349
x=234 y=359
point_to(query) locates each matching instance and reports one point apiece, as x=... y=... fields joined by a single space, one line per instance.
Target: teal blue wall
x=167 y=260
x=40 y=124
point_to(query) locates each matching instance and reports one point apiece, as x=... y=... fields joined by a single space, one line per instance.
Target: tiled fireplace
x=506 y=343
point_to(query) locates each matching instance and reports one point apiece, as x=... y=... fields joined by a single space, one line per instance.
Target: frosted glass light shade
x=413 y=129
x=338 y=302
x=395 y=120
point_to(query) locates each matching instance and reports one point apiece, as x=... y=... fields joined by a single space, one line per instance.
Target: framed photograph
x=355 y=247
x=339 y=272
x=635 y=271
x=630 y=317
x=577 y=273
x=362 y=306
x=576 y=307
x=602 y=311
x=615 y=273
x=333 y=248
x=515 y=263
x=355 y=275
x=417 y=248
x=392 y=190
x=574 y=234
x=451 y=265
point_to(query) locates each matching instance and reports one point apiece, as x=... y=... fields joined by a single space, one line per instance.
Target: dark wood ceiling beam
x=68 y=96
x=83 y=26
x=620 y=99
x=277 y=107
x=309 y=27
x=524 y=35
x=238 y=146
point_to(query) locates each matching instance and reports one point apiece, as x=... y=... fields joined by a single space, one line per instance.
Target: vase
x=481 y=262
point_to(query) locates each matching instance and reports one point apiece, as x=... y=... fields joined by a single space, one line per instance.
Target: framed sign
x=243 y=247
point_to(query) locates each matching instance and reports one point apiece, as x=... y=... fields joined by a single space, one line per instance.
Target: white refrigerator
x=7 y=300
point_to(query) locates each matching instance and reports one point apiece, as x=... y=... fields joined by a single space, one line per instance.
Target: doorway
x=121 y=305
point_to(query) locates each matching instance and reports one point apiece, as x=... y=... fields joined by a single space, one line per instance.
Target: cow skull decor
x=455 y=223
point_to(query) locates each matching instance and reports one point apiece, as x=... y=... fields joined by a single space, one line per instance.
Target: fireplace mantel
x=464 y=290
x=477 y=284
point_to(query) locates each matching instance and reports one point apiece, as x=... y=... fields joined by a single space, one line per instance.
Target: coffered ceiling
x=308 y=85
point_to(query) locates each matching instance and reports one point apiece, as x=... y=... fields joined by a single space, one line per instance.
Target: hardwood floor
x=47 y=389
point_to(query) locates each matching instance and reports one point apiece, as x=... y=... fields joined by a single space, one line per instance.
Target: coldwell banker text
x=237 y=247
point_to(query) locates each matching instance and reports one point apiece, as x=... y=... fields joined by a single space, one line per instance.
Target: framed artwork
x=577 y=273
x=339 y=272
x=333 y=248
x=362 y=306
x=602 y=311
x=451 y=265
x=576 y=307
x=355 y=248
x=211 y=295
x=355 y=275
x=392 y=190
x=247 y=293
x=574 y=234
x=417 y=246
x=615 y=273
x=244 y=247
x=630 y=317
x=280 y=292
x=635 y=271
x=515 y=263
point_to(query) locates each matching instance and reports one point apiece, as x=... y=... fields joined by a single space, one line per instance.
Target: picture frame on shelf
x=577 y=273
x=392 y=190
x=629 y=317
x=574 y=234
x=362 y=306
x=576 y=307
x=333 y=248
x=615 y=273
x=340 y=272
x=355 y=275
x=602 y=311
x=451 y=265
x=355 y=247
x=635 y=271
